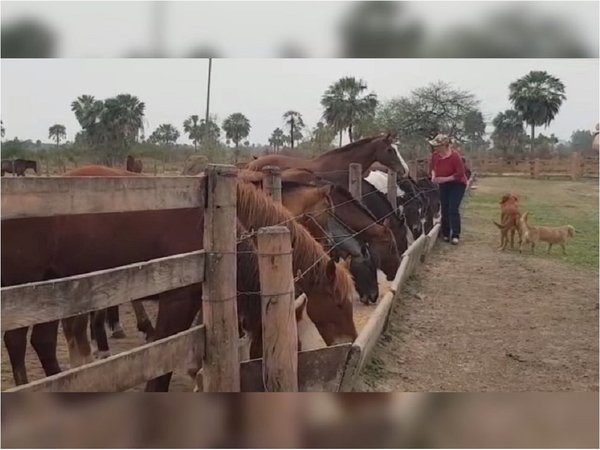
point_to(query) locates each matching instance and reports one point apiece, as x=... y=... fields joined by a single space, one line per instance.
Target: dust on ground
x=477 y=319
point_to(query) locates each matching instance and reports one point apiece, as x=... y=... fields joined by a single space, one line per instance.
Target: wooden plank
x=319 y=370
x=371 y=332
x=272 y=182
x=433 y=236
x=280 y=333
x=127 y=369
x=54 y=196
x=27 y=304
x=351 y=369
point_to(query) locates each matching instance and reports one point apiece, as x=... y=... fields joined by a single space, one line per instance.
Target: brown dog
x=509 y=218
x=552 y=235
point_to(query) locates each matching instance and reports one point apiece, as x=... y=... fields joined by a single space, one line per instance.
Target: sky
x=37 y=93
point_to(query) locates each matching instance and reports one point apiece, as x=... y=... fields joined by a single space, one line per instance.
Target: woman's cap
x=440 y=139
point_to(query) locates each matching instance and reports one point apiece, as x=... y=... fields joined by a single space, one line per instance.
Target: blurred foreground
x=301 y=420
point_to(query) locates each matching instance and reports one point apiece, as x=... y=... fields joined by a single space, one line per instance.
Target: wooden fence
x=214 y=343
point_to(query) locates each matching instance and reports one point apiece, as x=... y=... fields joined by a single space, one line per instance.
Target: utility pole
x=208 y=92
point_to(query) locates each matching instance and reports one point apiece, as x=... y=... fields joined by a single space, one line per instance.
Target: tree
x=295 y=122
x=277 y=139
x=474 y=129
x=237 y=127
x=165 y=134
x=57 y=132
x=346 y=103
x=508 y=134
x=538 y=96
x=437 y=107
x=2 y=129
x=192 y=128
x=581 y=140
x=210 y=131
x=112 y=125
x=322 y=136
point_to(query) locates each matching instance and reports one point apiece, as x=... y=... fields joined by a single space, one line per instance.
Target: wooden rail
x=55 y=196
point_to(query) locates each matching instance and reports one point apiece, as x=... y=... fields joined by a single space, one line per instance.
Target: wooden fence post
x=221 y=366
x=355 y=180
x=272 y=182
x=280 y=335
x=392 y=189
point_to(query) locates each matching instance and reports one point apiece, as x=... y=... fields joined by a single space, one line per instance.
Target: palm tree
x=57 y=132
x=2 y=129
x=209 y=131
x=295 y=122
x=164 y=134
x=192 y=128
x=277 y=139
x=237 y=127
x=537 y=96
x=346 y=103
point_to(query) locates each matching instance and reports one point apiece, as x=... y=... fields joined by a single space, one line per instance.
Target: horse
x=365 y=152
x=37 y=249
x=312 y=207
x=374 y=230
x=134 y=165
x=18 y=166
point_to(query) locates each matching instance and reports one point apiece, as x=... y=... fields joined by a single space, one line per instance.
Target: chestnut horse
x=365 y=152
x=36 y=249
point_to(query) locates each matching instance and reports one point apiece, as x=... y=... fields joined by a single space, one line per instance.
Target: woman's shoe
x=445 y=238
x=455 y=241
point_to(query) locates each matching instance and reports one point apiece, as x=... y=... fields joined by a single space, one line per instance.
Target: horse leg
x=112 y=315
x=143 y=321
x=98 y=320
x=43 y=340
x=16 y=345
x=75 y=331
x=176 y=312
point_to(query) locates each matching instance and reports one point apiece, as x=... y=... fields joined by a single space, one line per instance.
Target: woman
x=448 y=170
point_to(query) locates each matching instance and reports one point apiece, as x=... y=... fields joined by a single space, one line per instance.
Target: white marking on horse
x=379 y=179
x=395 y=147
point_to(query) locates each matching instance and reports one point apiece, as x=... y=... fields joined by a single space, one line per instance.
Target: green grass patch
x=549 y=202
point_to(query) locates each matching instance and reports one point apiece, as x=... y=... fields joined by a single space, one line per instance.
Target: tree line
x=110 y=127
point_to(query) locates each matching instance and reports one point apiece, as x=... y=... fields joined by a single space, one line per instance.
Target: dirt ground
x=476 y=319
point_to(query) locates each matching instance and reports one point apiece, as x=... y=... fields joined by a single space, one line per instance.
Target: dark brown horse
x=37 y=249
x=134 y=165
x=18 y=166
x=365 y=152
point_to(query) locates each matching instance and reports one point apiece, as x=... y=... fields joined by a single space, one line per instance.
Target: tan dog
x=509 y=218
x=552 y=235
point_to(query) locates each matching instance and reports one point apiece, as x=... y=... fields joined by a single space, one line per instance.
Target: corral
x=331 y=368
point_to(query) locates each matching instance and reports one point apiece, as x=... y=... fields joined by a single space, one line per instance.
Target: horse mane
x=383 y=198
x=353 y=145
x=256 y=210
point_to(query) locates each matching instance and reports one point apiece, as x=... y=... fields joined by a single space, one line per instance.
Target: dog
x=509 y=218
x=552 y=235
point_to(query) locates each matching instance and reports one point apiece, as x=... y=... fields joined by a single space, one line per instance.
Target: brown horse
x=134 y=165
x=365 y=152
x=37 y=249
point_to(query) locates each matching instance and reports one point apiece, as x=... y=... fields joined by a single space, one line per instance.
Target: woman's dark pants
x=451 y=194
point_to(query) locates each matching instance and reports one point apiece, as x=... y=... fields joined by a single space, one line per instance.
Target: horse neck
x=340 y=160
x=256 y=210
x=343 y=237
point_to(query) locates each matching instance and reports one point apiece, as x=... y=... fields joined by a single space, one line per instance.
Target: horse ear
x=347 y=261
x=330 y=270
x=254 y=157
x=300 y=306
x=387 y=222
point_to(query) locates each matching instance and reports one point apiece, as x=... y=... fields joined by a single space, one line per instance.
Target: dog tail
x=501 y=226
x=570 y=231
